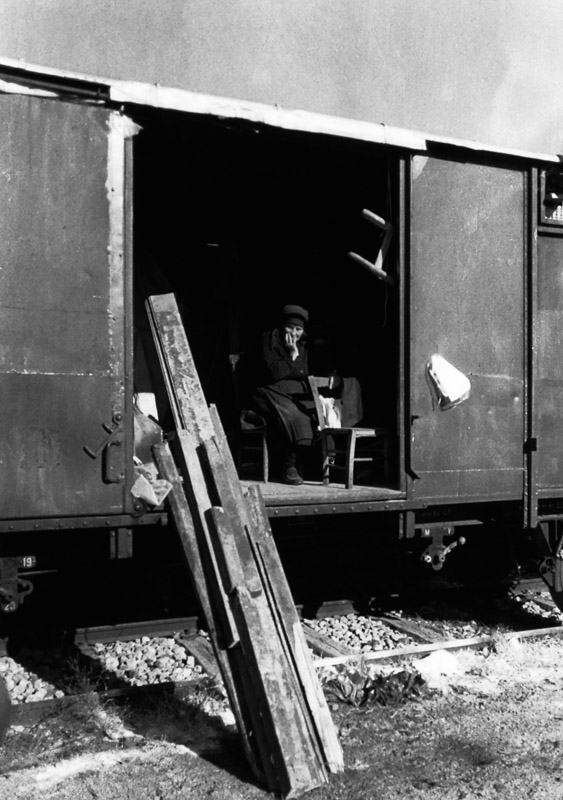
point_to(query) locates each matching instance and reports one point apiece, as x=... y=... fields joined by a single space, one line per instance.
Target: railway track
x=32 y=712
x=336 y=635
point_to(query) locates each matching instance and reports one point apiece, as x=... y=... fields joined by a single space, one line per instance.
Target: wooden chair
x=339 y=444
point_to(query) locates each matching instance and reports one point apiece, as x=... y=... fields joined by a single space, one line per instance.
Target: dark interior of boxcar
x=238 y=220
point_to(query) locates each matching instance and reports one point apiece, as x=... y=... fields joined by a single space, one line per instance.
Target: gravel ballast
x=152 y=660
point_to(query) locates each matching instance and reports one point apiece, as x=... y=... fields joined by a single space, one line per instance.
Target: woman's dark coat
x=283 y=396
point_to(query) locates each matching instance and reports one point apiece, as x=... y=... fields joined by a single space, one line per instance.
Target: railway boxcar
x=112 y=192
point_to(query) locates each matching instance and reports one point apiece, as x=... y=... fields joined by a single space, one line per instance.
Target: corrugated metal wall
x=488 y=70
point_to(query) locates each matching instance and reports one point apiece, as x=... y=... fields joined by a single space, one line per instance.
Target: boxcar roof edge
x=17 y=75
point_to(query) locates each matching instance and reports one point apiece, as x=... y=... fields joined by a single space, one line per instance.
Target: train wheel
x=5 y=709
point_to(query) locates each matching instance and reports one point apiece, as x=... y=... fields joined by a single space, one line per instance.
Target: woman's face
x=295 y=330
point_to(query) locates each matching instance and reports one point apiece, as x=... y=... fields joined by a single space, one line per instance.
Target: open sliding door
x=547 y=481
x=62 y=301
x=467 y=303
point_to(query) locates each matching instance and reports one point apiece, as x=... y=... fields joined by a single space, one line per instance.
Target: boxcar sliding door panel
x=467 y=305
x=61 y=308
x=548 y=374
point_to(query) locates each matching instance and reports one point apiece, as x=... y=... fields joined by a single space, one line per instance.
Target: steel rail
x=473 y=642
x=33 y=711
x=134 y=630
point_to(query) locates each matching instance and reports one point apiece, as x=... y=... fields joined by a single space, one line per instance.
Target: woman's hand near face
x=291 y=338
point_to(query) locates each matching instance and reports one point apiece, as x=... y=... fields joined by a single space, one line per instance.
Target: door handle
x=112 y=471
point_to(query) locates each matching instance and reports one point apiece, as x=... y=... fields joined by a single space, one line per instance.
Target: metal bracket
x=377 y=267
x=112 y=432
x=407 y=525
x=435 y=554
x=13 y=588
x=111 y=469
x=121 y=543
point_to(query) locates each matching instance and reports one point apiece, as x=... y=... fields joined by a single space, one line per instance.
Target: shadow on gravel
x=101 y=711
x=66 y=669
x=193 y=718
x=88 y=724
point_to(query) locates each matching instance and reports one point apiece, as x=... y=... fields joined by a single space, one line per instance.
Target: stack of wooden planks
x=282 y=715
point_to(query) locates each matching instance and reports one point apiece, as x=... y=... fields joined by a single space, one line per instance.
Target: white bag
x=449 y=387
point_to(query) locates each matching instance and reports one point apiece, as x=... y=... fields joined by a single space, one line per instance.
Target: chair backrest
x=314 y=383
x=345 y=411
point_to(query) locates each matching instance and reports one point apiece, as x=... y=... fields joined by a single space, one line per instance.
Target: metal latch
x=435 y=554
x=112 y=469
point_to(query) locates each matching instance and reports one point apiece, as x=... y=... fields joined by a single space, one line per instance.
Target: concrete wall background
x=488 y=70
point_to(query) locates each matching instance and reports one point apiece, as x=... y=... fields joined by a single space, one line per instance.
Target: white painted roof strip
x=166 y=97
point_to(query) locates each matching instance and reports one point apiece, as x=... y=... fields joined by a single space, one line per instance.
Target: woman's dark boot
x=290 y=474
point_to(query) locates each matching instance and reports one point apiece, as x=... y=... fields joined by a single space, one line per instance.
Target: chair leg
x=349 y=459
x=326 y=461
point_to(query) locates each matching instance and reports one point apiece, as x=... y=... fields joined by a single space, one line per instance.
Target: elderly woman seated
x=282 y=396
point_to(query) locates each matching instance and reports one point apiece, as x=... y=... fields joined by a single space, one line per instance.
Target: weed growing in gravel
x=82 y=677
x=361 y=686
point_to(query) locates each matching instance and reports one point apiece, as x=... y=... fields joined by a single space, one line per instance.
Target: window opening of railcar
x=238 y=221
x=551 y=195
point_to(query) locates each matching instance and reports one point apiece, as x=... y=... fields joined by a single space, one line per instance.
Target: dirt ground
x=488 y=725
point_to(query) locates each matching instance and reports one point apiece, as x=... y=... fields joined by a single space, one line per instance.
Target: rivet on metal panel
x=334 y=508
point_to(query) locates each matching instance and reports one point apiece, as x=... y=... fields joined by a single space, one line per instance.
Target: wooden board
x=254 y=626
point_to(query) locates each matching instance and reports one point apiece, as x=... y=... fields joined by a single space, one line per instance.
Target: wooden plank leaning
x=187 y=400
x=292 y=739
x=281 y=599
x=277 y=703
x=252 y=722
x=189 y=504
x=282 y=609
x=184 y=521
x=281 y=728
